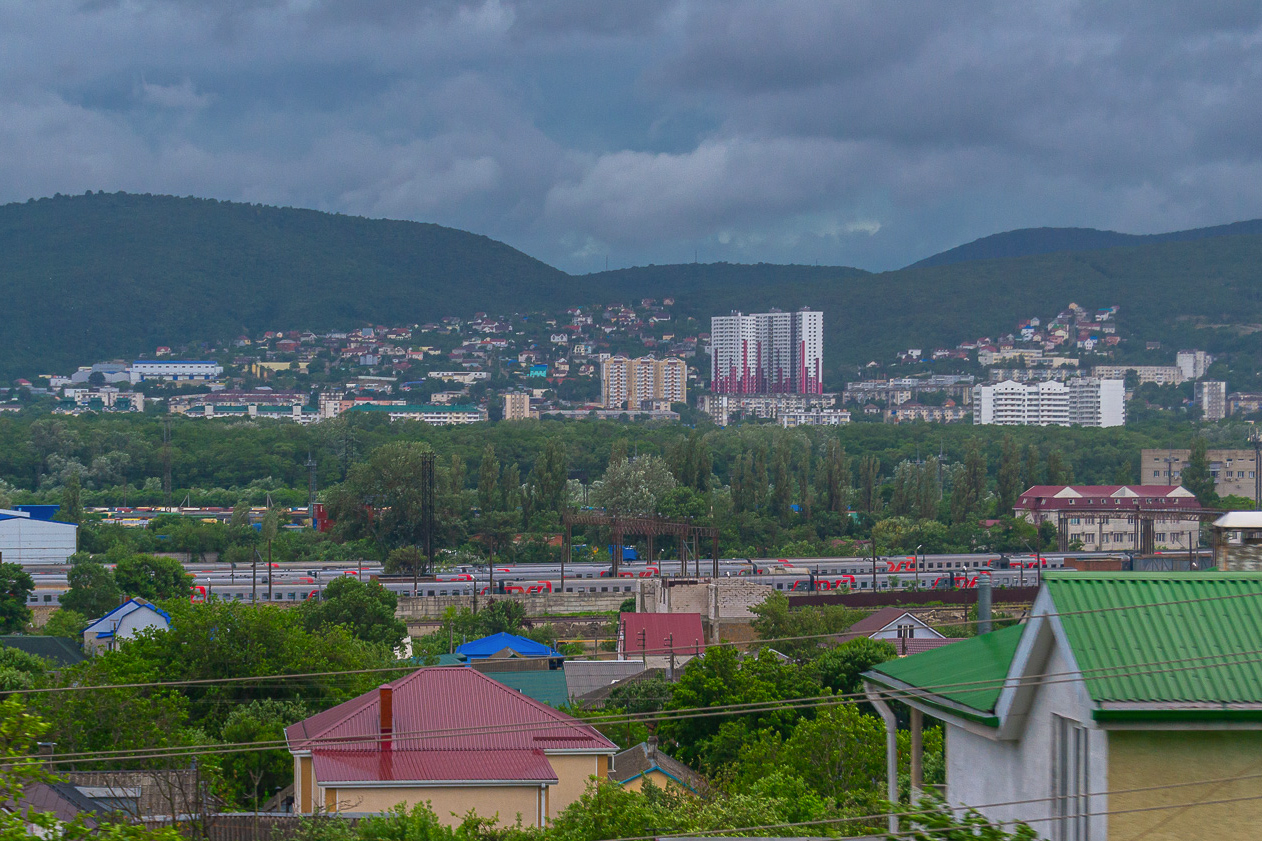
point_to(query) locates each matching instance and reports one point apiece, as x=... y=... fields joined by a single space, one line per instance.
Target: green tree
x=970 y=484
x=633 y=486
x=869 y=484
x=1008 y=486
x=839 y=668
x=65 y=623
x=1057 y=472
x=381 y=499
x=836 y=478
x=19 y=670
x=488 y=480
x=15 y=589
x=152 y=577
x=549 y=477
x=251 y=776
x=240 y=515
x=71 y=510
x=1197 y=477
x=366 y=610
x=93 y=590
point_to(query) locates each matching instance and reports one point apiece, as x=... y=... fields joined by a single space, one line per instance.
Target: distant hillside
x=93 y=276
x=100 y=276
x=1027 y=242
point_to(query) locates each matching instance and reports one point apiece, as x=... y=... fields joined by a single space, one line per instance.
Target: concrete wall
x=1020 y=770
x=1144 y=759
x=714 y=598
x=544 y=604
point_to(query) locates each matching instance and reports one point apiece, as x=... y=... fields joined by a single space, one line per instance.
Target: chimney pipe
x=385 y=696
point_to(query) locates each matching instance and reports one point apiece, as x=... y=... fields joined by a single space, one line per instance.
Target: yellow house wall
x=1139 y=759
x=659 y=779
x=573 y=772
x=450 y=804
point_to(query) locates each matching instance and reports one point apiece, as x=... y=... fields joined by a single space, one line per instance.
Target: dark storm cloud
x=859 y=132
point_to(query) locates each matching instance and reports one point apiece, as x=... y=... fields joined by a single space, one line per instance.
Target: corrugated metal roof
x=583 y=676
x=495 y=643
x=663 y=631
x=1203 y=620
x=447 y=709
x=970 y=672
x=547 y=686
x=431 y=766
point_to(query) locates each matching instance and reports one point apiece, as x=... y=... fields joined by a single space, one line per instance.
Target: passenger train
x=793 y=575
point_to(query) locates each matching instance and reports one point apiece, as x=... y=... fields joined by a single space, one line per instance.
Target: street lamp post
x=916 y=563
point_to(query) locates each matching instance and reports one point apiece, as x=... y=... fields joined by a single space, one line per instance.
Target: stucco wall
x=1142 y=759
x=982 y=771
x=659 y=779
x=573 y=772
x=449 y=804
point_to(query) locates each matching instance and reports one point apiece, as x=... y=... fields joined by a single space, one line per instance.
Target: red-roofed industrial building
x=453 y=737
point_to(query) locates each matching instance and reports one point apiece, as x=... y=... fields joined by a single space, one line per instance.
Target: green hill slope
x=95 y=276
x=102 y=276
x=1026 y=242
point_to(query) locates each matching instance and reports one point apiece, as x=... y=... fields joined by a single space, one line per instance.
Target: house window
x=906 y=631
x=1069 y=780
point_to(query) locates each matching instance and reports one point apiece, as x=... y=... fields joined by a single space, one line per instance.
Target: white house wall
x=27 y=541
x=982 y=771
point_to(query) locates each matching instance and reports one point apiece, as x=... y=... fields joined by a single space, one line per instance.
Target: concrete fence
x=543 y=604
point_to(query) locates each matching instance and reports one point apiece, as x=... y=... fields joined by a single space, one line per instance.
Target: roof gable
x=497 y=644
x=969 y=673
x=128 y=607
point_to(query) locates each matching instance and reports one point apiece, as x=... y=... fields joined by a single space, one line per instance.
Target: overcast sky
x=869 y=134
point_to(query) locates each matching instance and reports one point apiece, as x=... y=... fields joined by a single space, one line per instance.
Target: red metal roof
x=662 y=632
x=433 y=766
x=1100 y=497
x=444 y=709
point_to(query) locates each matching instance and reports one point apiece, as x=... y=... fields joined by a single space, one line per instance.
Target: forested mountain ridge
x=96 y=276
x=104 y=276
x=1025 y=242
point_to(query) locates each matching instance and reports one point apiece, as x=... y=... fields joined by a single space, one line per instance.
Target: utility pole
x=427 y=520
x=311 y=489
x=254 y=578
x=644 y=650
x=873 y=563
x=269 y=569
x=1255 y=438
x=670 y=647
x=166 y=462
x=916 y=563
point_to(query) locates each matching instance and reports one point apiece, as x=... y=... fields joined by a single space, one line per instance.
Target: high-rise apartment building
x=1192 y=364
x=767 y=353
x=1211 y=397
x=627 y=383
x=517 y=406
x=1084 y=401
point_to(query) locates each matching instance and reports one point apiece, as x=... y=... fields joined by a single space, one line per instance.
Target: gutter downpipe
x=891 y=749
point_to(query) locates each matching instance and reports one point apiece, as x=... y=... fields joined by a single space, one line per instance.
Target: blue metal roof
x=524 y=647
x=39 y=512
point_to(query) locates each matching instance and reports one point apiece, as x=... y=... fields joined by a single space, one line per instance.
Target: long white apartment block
x=1083 y=401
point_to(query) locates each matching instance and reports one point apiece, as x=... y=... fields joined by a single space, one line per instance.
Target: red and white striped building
x=767 y=353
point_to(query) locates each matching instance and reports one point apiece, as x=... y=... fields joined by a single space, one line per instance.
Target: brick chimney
x=385 y=697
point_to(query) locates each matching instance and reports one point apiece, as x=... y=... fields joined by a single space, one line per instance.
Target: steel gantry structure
x=690 y=536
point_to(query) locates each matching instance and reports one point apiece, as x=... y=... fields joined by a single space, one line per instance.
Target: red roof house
x=453 y=737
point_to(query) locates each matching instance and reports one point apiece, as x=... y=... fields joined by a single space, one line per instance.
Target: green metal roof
x=970 y=673
x=544 y=685
x=1202 y=629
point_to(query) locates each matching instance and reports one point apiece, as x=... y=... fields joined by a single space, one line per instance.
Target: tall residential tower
x=767 y=353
